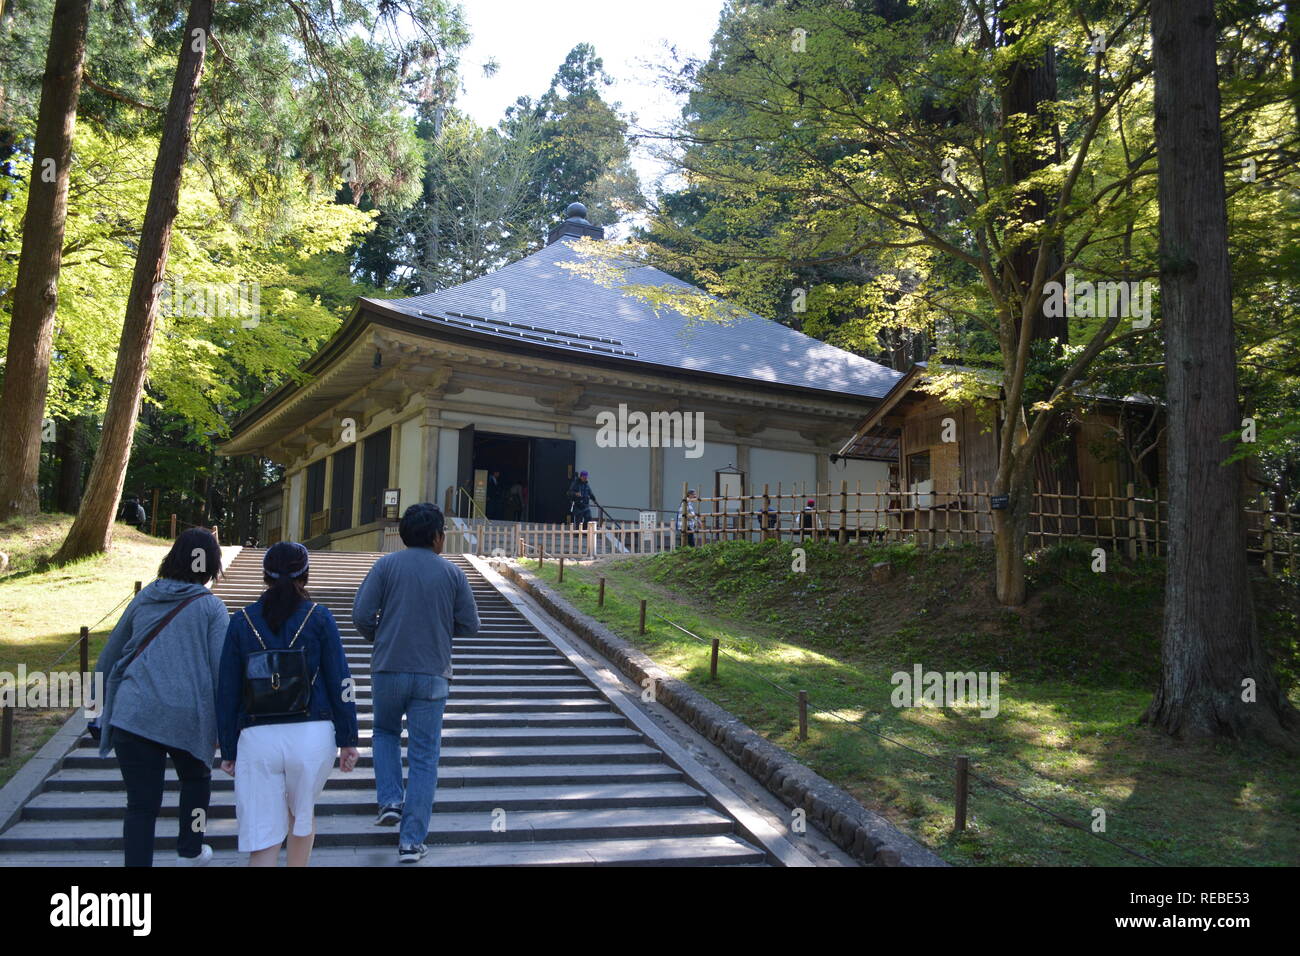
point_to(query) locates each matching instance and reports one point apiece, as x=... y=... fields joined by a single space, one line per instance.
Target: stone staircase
x=537 y=766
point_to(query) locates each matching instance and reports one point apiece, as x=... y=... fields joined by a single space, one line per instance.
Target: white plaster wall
x=697 y=472
x=871 y=474
x=293 y=530
x=793 y=471
x=409 y=460
x=500 y=400
x=619 y=476
x=448 y=447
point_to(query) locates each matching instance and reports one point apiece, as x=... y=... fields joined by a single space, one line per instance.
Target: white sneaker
x=203 y=859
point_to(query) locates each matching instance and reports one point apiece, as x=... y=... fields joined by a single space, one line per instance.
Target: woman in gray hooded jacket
x=161 y=666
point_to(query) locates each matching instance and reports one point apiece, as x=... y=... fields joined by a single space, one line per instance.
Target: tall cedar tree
x=35 y=294
x=1216 y=680
x=92 y=531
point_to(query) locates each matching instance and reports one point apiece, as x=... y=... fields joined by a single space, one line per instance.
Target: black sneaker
x=388 y=816
x=411 y=854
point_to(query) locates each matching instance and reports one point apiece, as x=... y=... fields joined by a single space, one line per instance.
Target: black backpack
x=275 y=679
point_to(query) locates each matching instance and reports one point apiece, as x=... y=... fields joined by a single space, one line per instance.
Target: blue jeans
x=422 y=698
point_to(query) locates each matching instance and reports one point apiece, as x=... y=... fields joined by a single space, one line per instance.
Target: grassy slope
x=42 y=609
x=1076 y=667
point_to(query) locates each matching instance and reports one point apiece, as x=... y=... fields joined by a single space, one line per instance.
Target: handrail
x=473 y=505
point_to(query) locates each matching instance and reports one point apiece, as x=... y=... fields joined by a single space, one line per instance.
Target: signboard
x=999 y=502
x=392 y=503
x=648 y=519
x=480 y=492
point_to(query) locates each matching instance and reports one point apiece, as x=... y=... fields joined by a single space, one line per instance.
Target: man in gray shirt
x=409 y=606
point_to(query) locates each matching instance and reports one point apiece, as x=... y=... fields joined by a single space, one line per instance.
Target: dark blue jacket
x=325 y=658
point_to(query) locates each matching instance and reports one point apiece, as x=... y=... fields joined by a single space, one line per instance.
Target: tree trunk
x=1010 y=526
x=70 y=446
x=35 y=294
x=92 y=531
x=1216 y=680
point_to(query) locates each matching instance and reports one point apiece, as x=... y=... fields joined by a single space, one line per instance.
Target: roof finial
x=575 y=225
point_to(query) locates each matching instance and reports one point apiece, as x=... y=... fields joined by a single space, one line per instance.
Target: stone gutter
x=865 y=835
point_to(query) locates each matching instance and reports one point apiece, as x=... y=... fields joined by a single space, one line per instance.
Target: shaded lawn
x=1066 y=737
x=42 y=609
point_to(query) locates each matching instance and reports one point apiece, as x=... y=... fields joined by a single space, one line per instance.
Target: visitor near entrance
x=688 y=520
x=580 y=498
x=285 y=707
x=410 y=606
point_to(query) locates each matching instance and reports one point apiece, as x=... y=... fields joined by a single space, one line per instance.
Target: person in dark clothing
x=133 y=512
x=496 y=495
x=411 y=605
x=580 y=498
x=281 y=761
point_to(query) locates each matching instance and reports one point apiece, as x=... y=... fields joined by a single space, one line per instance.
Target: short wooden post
x=642 y=630
x=138 y=585
x=6 y=731
x=600 y=600
x=803 y=715
x=1132 y=523
x=713 y=660
x=85 y=650
x=561 y=578
x=541 y=558
x=963 y=786
x=216 y=533
x=844 y=511
x=153 y=516
x=173 y=527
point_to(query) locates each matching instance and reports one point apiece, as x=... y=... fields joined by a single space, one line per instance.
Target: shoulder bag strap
x=160 y=625
x=302 y=625
x=251 y=627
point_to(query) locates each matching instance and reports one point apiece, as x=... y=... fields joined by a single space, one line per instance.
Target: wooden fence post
x=713 y=660
x=642 y=616
x=600 y=599
x=803 y=715
x=963 y=786
x=844 y=511
x=153 y=516
x=6 y=731
x=1132 y=522
x=561 y=577
x=84 y=647
x=173 y=527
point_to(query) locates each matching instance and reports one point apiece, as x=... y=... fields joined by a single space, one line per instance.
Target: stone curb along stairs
x=860 y=832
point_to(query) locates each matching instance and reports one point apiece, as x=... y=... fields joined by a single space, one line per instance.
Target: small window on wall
x=918 y=468
x=374 y=475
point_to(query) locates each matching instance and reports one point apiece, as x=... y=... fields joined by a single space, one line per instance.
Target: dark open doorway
x=526 y=477
x=506 y=459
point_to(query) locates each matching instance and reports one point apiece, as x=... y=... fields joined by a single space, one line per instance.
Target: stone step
x=92 y=805
x=464 y=756
x=523 y=826
x=108 y=778
x=662 y=851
